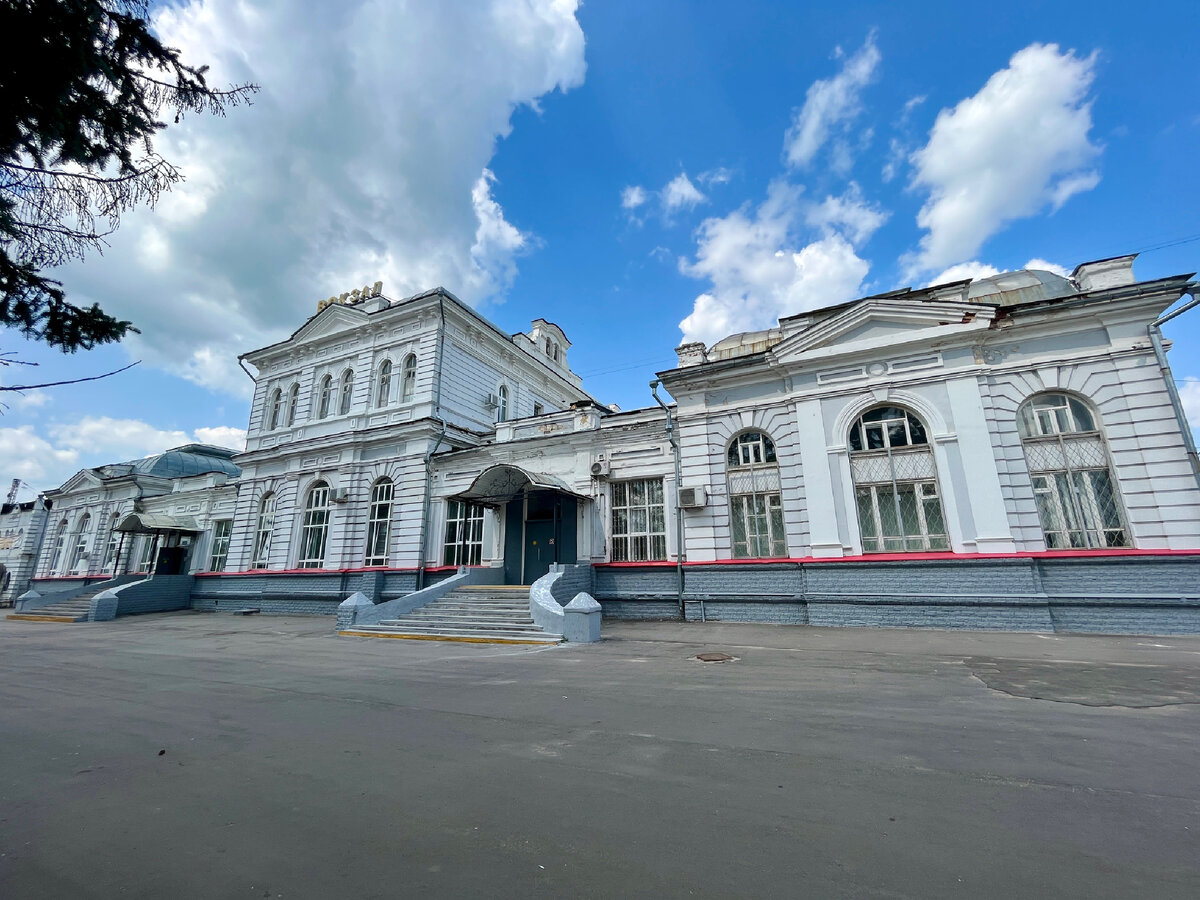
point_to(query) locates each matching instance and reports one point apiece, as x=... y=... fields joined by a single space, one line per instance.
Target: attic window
x=552 y=349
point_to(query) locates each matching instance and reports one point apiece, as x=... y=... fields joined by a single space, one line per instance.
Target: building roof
x=178 y=462
x=1022 y=286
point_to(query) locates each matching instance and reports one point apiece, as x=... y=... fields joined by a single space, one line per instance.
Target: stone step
x=461 y=621
x=481 y=637
x=493 y=607
x=506 y=615
x=44 y=615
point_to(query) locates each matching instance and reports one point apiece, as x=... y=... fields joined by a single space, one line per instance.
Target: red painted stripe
x=906 y=557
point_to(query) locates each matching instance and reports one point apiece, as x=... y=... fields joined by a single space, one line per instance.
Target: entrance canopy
x=149 y=523
x=502 y=483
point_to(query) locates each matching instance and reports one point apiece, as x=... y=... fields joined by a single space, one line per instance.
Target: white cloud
x=1018 y=146
x=222 y=436
x=33 y=459
x=756 y=276
x=830 y=106
x=25 y=399
x=115 y=440
x=1047 y=266
x=680 y=193
x=361 y=158
x=633 y=196
x=850 y=214
x=962 y=271
x=719 y=175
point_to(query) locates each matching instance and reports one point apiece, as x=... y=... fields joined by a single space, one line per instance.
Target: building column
x=824 y=538
x=993 y=533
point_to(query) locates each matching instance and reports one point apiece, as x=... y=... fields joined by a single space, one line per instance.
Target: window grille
x=1072 y=480
x=639 y=529
x=383 y=391
x=60 y=540
x=464 y=534
x=314 y=533
x=326 y=398
x=80 y=542
x=276 y=406
x=222 y=529
x=293 y=402
x=379 y=523
x=895 y=483
x=263 y=531
x=408 y=386
x=347 y=392
x=755 y=504
x=114 y=545
x=502 y=408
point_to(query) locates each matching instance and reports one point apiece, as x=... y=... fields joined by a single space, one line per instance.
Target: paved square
x=196 y=755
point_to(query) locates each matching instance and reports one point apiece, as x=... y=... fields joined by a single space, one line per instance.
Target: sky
x=640 y=174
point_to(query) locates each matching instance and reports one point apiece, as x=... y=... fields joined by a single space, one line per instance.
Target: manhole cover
x=714 y=657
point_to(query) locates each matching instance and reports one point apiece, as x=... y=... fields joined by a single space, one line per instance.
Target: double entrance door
x=539 y=530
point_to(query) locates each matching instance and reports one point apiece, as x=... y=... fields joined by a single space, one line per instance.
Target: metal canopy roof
x=501 y=483
x=148 y=523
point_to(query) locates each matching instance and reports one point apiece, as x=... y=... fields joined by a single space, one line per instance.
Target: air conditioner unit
x=339 y=495
x=600 y=468
x=492 y=401
x=692 y=497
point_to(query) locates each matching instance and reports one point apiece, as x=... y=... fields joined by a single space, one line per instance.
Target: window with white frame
x=383 y=386
x=539 y=409
x=464 y=534
x=379 y=522
x=60 y=540
x=408 y=383
x=263 y=529
x=895 y=483
x=114 y=545
x=1072 y=479
x=502 y=404
x=219 y=554
x=80 y=547
x=276 y=409
x=325 y=398
x=639 y=530
x=314 y=532
x=146 y=558
x=293 y=403
x=347 y=392
x=755 y=504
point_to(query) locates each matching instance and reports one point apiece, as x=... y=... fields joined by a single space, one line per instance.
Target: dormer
x=550 y=344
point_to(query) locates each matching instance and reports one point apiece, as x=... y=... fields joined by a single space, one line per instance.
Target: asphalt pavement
x=201 y=755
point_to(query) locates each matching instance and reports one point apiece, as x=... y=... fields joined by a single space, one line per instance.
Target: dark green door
x=539 y=549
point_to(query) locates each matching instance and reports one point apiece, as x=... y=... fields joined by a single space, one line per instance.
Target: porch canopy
x=150 y=523
x=502 y=483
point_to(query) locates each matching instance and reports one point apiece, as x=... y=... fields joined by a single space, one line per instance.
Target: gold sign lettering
x=349 y=298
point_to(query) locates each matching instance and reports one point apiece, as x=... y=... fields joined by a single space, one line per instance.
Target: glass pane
x=620 y=521
x=917 y=431
x=856 y=437
x=934 y=520
x=778 y=542
x=655 y=491
x=658 y=547
x=657 y=519
x=1110 y=515
x=897 y=436
x=874 y=437
x=638 y=520
x=888 y=523
x=866 y=513
x=637 y=492
x=620 y=494
x=768 y=449
x=1083 y=418
x=737 y=521
x=640 y=548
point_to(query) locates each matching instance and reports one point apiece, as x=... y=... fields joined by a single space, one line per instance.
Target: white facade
x=1020 y=414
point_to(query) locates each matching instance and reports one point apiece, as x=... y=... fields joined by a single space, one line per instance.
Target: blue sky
x=620 y=169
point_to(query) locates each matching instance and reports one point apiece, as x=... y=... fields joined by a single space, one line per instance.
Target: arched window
x=326 y=397
x=60 y=539
x=293 y=403
x=1072 y=480
x=80 y=547
x=755 y=506
x=276 y=406
x=114 y=545
x=347 y=391
x=383 y=389
x=262 y=532
x=314 y=533
x=379 y=523
x=408 y=386
x=502 y=404
x=895 y=483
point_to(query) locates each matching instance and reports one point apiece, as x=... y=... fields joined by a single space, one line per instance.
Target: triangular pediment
x=81 y=480
x=883 y=322
x=332 y=320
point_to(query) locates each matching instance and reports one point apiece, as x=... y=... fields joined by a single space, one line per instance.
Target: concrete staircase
x=66 y=611
x=482 y=614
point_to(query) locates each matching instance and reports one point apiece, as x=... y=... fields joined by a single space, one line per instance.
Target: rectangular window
x=149 y=546
x=315 y=531
x=379 y=524
x=262 y=533
x=220 y=545
x=464 y=534
x=901 y=516
x=639 y=531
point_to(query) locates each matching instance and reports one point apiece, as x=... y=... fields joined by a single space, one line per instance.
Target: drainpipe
x=437 y=406
x=674 y=439
x=1160 y=354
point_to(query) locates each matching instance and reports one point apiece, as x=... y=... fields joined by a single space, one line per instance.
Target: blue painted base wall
x=1112 y=595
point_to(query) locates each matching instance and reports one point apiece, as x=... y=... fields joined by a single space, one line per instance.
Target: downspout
x=674 y=439
x=1160 y=355
x=437 y=407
